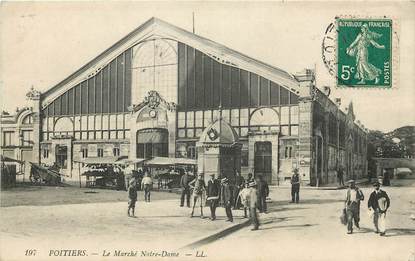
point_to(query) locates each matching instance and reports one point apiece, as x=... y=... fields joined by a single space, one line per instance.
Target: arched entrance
x=152 y=142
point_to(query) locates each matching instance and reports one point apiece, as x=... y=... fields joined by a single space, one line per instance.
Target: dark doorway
x=61 y=156
x=263 y=160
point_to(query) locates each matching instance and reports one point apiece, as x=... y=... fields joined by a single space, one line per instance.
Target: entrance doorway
x=61 y=156
x=263 y=160
x=152 y=143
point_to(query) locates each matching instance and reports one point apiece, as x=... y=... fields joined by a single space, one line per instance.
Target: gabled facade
x=154 y=92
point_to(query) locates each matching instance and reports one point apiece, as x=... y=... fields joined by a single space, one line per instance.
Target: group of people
x=250 y=193
x=146 y=185
x=378 y=205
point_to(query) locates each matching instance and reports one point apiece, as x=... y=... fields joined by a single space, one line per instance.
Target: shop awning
x=98 y=160
x=153 y=136
x=164 y=161
x=7 y=159
x=130 y=161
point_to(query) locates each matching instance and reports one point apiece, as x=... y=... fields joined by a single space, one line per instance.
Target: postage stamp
x=364 y=52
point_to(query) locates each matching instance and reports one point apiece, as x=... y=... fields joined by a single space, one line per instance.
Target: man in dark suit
x=184 y=184
x=263 y=192
x=295 y=187
x=213 y=190
x=379 y=203
x=226 y=197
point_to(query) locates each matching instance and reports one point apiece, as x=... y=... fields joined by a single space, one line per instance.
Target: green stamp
x=364 y=53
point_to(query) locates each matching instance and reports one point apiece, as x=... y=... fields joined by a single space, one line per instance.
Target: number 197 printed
x=30 y=252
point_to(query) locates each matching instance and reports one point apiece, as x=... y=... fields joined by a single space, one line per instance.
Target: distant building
x=155 y=91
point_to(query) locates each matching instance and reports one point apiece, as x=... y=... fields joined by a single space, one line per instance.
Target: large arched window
x=28 y=119
x=155 y=68
x=264 y=119
x=63 y=126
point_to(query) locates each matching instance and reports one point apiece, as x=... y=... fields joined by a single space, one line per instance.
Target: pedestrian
x=340 y=174
x=128 y=175
x=146 y=185
x=244 y=196
x=352 y=203
x=132 y=197
x=295 y=187
x=199 y=193
x=253 y=205
x=139 y=176
x=213 y=190
x=239 y=185
x=226 y=197
x=120 y=176
x=184 y=185
x=379 y=203
x=250 y=178
x=263 y=192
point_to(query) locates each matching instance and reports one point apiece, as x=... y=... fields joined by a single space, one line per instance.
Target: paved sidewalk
x=98 y=226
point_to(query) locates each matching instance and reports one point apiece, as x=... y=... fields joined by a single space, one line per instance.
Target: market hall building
x=162 y=91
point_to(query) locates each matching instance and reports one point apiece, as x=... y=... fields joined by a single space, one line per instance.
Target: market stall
x=103 y=172
x=8 y=171
x=167 y=170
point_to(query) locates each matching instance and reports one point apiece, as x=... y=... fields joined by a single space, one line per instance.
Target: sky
x=41 y=43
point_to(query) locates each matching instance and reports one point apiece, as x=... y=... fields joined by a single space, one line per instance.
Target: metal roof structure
x=154 y=28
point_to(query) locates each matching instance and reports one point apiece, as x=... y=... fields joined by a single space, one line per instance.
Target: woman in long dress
x=359 y=48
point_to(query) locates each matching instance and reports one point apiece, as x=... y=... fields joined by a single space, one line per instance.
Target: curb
x=359 y=182
x=217 y=235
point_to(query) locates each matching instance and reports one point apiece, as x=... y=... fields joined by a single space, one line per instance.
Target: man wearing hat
x=352 y=204
x=213 y=189
x=226 y=196
x=132 y=197
x=295 y=187
x=379 y=202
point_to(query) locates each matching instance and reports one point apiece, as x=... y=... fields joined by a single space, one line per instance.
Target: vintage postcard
x=199 y=130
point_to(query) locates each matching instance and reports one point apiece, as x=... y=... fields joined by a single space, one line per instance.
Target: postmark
x=362 y=52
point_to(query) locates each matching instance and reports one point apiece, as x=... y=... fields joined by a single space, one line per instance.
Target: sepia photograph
x=207 y=130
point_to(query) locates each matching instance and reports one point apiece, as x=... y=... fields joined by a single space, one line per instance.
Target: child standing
x=132 y=197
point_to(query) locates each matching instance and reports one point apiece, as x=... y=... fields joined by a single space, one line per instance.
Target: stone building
x=155 y=91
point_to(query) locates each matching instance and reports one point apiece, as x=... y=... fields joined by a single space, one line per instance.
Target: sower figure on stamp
x=226 y=197
x=365 y=71
x=295 y=187
x=132 y=197
x=352 y=204
x=379 y=203
x=239 y=185
x=184 y=184
x=199 y=193
x=213 y=190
